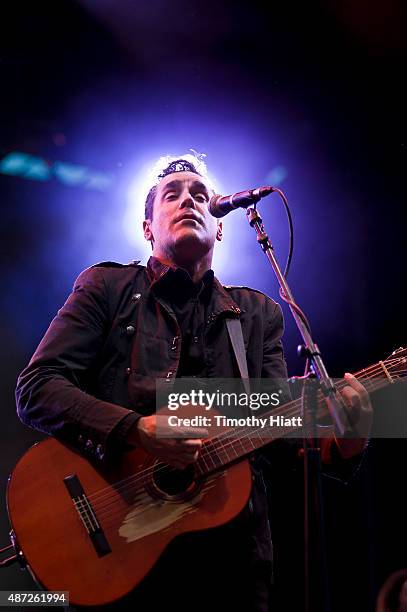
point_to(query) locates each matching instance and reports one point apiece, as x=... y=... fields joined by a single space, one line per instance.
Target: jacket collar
x=221 y=300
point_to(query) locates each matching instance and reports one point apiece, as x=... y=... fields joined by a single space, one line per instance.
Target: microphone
x=219 y=206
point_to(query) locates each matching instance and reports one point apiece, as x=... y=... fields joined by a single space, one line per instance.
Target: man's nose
x=187 y=201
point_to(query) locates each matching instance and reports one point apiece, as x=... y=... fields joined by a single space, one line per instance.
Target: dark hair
x=178 y=165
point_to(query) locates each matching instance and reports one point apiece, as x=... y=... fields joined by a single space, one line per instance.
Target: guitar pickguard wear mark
x=150 y=515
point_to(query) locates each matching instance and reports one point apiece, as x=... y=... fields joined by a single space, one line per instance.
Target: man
x=91 y=382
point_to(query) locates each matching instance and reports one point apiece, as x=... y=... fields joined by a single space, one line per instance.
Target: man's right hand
x=172 y=444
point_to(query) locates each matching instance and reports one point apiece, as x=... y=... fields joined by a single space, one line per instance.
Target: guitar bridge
x=87 y=515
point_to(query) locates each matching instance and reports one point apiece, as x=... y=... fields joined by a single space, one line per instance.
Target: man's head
x=177 y=219
x=177 y=165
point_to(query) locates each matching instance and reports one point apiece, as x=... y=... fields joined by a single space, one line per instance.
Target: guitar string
x=230 y=441
x=248 y=435
x=114 y=512
x=287 y=410
x=226 y=435
x=275 y=413
x=101 y=505
x=113 y=518
x=103 y=509
x=207 y=452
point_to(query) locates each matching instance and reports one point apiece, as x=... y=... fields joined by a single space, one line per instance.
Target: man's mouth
x=189 y=217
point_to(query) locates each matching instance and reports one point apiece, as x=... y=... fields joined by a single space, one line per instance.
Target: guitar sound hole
x=173 y=482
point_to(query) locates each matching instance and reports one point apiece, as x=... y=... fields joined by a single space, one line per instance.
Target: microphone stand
x=311 y=352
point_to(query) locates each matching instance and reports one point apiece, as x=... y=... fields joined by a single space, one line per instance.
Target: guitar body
x=97 y=531
x=100 y=542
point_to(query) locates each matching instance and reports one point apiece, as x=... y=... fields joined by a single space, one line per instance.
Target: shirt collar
x=160 y=274
x=157 y=271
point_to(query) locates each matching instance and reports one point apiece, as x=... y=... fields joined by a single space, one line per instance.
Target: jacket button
x=128 y=371
x=211 y=318
x=174 y=343
x=99 y=451
x=135 y=297
x=130 y=330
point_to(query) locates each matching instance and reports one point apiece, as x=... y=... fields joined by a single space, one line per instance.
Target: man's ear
x=219 y=231
x=148 y=233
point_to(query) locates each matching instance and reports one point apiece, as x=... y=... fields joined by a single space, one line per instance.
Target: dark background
x=309 y=96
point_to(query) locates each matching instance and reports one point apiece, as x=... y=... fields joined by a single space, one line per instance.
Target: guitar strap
x=236 y=337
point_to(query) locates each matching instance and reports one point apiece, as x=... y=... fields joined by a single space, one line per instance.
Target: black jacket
x=94 y=371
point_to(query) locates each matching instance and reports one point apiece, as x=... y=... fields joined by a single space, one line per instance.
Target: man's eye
x=200 y=197
x=170 y=196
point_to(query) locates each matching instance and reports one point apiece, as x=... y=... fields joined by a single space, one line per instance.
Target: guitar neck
x=238 y=442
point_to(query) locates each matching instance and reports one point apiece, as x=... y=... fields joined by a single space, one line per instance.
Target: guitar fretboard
x=238 y=442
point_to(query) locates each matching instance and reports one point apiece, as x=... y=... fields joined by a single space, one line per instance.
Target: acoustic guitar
x=97 y=530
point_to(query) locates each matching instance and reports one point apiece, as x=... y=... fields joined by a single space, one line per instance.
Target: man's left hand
x=360 y=412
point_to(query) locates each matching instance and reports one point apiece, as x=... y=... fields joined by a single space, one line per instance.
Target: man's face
x=182 y=225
